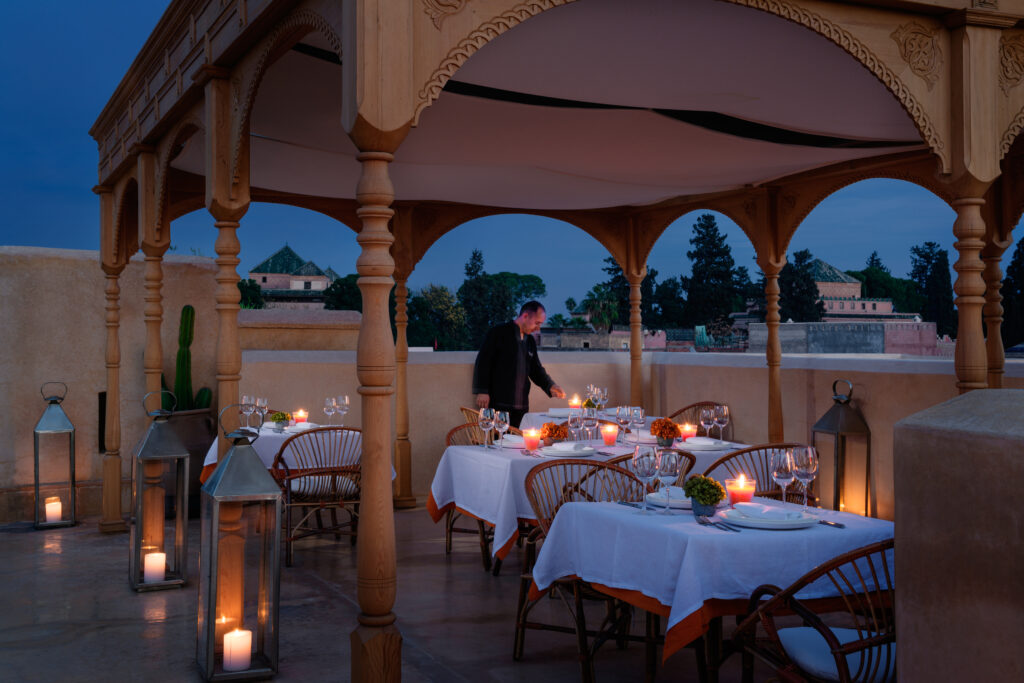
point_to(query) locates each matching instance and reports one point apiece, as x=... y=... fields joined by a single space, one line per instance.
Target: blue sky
x=61 y=60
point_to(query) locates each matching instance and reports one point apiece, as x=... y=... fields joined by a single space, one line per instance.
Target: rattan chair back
x=324 y=464
x=551 y=485
x=469 y=415
x=755 y=463
x=691 y=415
x=689 y=460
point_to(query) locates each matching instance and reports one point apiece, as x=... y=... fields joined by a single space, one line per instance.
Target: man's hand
x=556 y=391
x=483 y=400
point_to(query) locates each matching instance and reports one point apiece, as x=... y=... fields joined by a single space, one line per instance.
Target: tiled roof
x=331 y=274
x=308 y=268
x=284 y=260
x=823 y=272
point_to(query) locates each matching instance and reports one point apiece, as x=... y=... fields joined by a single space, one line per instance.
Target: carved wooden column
x=992 y=312
x=403 y=449
x=773 y=352
x=376 y=642
x=636 y=337
x=112 y=520
x=971 y=356
x=154 y=246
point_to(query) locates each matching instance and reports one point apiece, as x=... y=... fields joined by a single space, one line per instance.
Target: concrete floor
x=68 y=614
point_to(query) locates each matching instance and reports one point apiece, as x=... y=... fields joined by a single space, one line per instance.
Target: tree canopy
x=878 y=283
x=491 y=299
x=716 y=287
x=798 y=293
x=436 y=319
x=343 y=294
x=930 y=273
x=1013 y=298
x=252 y=294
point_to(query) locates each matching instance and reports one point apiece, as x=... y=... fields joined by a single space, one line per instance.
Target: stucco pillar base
x=376 y=654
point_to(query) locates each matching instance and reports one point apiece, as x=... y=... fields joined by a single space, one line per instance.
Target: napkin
x=513 y=440
x=569 y=446
x=759 y=511
x=702 y=441
x=558 y=412
x=644 y=435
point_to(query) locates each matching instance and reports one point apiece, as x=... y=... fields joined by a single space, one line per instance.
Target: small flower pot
x=665 y=442
x=700 y=510
x=279 y=427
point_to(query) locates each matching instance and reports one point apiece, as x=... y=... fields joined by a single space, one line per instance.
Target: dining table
x=686 y=572
x=489 y=484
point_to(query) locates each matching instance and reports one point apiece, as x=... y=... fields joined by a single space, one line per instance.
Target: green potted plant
x=704 y=493
x=280 y=420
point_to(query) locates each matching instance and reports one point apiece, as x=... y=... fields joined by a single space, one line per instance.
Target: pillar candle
x=53 y=509
x=687 y=430
x=609 y=433
x=300 y=415
x=531 y=438
x=575 y=401
x=237 y=649
x=154 y=567
x=741 y=490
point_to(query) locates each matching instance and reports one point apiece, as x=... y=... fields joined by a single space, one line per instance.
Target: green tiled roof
x=308 y=268
x=284 y=260
x=823 y=272
x=331 y=274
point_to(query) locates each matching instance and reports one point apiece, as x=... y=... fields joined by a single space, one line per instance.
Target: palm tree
x=601 y=307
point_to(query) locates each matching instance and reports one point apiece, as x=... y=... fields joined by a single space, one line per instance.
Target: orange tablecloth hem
x=206 y=472
x=437 y=513
x=693 y=626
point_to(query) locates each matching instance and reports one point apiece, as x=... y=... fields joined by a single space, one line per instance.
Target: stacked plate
x=757 y=516
x=568 y=449
x=703 y=443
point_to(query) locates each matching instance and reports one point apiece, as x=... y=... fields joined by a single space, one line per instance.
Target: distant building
x=289 y=281
x=840 y=294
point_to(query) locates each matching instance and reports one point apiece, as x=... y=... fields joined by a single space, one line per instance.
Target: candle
x=300 y=415
x=575 y=401
x=237 y=649
x=687 y=430
x=153 y=568
x=609 y=433
x=531 y=437
x=53 y=509
x=741 y=490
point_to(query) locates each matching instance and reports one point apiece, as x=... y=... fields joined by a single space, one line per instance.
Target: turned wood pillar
x=112 y=520
x=403 y=449
x=154 y=245
x=229 y=352
x=376 y=641
x=992 y=312
x=636 y=339
x=971 y=355
x=773 y=352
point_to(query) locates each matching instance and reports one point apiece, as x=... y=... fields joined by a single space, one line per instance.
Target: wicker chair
x=691 y=415
x=755 y=463
x=689 y=460
x=469 y=414
x=549 y=486
x=859 y=641
x=324 y=474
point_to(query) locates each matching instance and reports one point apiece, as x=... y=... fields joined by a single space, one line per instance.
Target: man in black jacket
x=507 y=362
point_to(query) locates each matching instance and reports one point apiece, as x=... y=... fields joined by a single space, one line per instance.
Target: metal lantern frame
x=160 y=447
x=843 y=420
x=55 y=421
x=241 y=479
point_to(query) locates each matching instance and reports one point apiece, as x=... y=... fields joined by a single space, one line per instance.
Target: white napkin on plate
x=702 y=441
x=513 y=440
x=759 y=511
x=569 y=446
x=557 y=412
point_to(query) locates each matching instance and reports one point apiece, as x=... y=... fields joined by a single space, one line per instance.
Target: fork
x=704 y=521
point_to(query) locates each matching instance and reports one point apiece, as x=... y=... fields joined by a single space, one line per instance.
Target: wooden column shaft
x=993 y=315
x=636 y=341
x=773 y=354
x=152 y=360
x=229 y=353
x=112 y=520
x=403 y=449
x=971 y=356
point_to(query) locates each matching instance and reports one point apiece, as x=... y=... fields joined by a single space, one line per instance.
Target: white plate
x=716 y=445
x=677 y=501
x=552 y=452
x=736 y=517
x=557 y=412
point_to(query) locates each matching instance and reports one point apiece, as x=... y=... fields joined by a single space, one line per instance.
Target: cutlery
x=528 y=453
x=830 y=523
x=718 y=525
x=628 y=504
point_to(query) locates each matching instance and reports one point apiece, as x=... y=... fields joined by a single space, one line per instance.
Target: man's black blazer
x=495 y=370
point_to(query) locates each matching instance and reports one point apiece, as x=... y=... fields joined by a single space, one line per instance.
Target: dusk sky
x=62 y=60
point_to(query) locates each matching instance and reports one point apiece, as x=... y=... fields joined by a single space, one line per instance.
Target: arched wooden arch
x=159 y=234
x=123 y=240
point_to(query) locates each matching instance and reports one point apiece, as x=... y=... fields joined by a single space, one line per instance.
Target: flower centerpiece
x=551 y=432
x=589 y=403
x=280 y=420
x=666 y=430
x=705 y=493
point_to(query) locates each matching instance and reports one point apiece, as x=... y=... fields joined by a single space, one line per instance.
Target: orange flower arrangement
x=554 y=432
x=665 y=428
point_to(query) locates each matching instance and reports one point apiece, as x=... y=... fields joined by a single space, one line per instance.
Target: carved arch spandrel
x=247 y=76
x=168 y=148
x=123 y=240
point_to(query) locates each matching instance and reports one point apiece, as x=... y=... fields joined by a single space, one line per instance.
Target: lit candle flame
x=742 y=480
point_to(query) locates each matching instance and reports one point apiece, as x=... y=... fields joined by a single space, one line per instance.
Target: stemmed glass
x=575 y=423
x=501 y=424
x=782 y=468
x=341 y=408
x=638 y=419
x=805 y=468
x=645 y=467
x=329 y=409
x=261 y=409
x=486 y=423
x=623 y=417
x=590 y=423
x=707 y=419
x=669 y=464
x=248 y=407
x=721 y=419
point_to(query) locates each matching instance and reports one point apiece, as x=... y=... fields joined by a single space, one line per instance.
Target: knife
x=830 y=523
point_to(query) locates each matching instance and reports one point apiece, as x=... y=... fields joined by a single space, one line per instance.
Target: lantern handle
x=159 y=412
x=842 y=398
x=53 y=398
x=242 y=431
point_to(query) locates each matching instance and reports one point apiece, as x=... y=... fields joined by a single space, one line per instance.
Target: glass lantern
x=841 y=421
x=239 y=566
x=57 y=507
x=158 y=550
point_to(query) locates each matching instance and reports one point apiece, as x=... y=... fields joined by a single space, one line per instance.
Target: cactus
x=204 y=397
x=166 y=400
x=183 y=365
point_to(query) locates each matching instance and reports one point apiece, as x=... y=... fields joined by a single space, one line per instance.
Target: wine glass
x=707 y=419
x=602 y=398
x=575 y=423
x=645 y=467
x=638 y=419
x=782 y=468
x=805 y=468
x=329 y=408
x=486 y=423
x=501 y=424
x=248 y=406
x=721 y=419
x=261 y=409
x=341 y=407
x=669 y=465
x=590 y=423
x=623 y=417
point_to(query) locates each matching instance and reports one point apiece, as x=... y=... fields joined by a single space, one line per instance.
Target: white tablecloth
x=682 y=564
x=535 y=420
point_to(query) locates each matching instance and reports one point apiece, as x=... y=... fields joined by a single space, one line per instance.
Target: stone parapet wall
x=908 y=338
